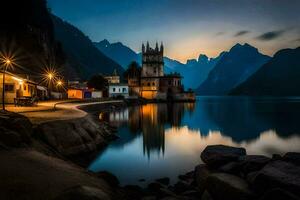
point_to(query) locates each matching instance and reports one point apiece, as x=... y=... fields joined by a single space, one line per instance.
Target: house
x=118 y=89
x=79 y=93
x=16 y=86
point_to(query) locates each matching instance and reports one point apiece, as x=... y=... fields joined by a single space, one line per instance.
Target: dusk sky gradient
x=187 y=27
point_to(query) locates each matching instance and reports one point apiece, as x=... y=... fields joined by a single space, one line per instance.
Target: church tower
x=152 y=61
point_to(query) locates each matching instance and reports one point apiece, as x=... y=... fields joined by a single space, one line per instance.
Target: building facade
x=16 y=86
x=118 y=89
x=152 y=82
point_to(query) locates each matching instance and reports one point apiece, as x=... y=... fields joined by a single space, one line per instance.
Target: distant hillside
x=194 y=73
x=120 y=53
x=233 y=68
x=83 y=58
x=278 y=77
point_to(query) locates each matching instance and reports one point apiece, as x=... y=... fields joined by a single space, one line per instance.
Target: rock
x=231 y=168
x=252 y=163
x=223 y=186
x=149 y=198
x=111 y=179
x=277 y=174
x=216 y=155
x=164 y=181
x=15 y=130
x=73 y=137
x=181 y=186
x=292 y=157
x=276 y=157
x=133 y=192
x=192 y=194
x=201 y=174
x=154 y=187
x=278 y=194
x=83 y=193
x=206 y=196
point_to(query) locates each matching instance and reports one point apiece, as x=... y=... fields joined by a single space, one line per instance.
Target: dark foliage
x=98 y=82
x=133 y=71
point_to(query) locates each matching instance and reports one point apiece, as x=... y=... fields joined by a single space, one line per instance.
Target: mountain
x=278 y=77
x=194 y=71
x=27 y=35
x=233 y=68
x=83 y=58
x=120 y=53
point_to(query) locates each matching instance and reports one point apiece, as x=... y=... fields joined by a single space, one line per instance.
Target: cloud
x=270 y=35
x=220 y=33
x=240 y=33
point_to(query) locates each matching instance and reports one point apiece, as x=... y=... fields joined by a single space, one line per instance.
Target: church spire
x=143 y=48
x=161 y=47
x=156 y=47
x=148 y=47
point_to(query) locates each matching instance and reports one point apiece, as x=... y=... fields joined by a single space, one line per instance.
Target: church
x=152 y=83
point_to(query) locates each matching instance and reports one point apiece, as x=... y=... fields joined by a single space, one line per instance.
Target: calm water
x=159 y=140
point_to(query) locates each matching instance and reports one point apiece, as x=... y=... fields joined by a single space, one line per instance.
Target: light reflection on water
x=159 y=140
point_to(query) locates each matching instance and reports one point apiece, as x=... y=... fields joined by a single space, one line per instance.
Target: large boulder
x=277 y=174
x=201 y=174
x=252 y=163
x=292 y=157
x=15 y=130
x=74 y=137
x=218 y=155
x=223 y=186
x=83 y=193
x=278 y=194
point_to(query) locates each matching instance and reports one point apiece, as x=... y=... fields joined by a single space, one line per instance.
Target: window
x=153 y=84
x=114 y=89
x=119 y=89
x=148 y=84
x=9 y=87
x=124 y=90
x=154 y=70
x=24 y=87
x=170 y=82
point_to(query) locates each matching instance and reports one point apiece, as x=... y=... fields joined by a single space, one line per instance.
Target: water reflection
x=166 y=139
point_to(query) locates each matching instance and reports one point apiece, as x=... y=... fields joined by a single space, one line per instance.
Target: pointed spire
x=161 y=47
x=156 y=46
x=148 y=47
x=143 y=48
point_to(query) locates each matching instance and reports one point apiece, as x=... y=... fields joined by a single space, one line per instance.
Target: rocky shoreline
x=43 y=159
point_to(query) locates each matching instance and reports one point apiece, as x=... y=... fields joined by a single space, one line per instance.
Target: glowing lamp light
x=59 y=83
x=50 y=76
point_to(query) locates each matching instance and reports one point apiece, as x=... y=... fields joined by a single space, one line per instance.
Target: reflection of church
x=153 y=83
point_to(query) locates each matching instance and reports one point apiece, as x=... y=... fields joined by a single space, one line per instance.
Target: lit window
x=9 y=87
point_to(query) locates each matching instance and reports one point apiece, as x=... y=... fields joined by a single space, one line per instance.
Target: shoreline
x=46 y=150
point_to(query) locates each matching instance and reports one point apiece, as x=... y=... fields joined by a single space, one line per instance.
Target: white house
x=118 y=89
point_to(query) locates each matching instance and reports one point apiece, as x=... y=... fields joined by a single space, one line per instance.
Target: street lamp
x=6 y=63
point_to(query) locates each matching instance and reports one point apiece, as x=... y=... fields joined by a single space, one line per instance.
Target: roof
x=118 y=84
x=19 y=77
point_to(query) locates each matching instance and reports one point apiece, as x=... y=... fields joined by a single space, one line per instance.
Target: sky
x=187 y=27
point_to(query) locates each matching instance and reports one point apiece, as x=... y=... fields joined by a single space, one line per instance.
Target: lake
x=165 y=140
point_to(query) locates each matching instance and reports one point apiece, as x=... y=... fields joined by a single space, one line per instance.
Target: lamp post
x=7 y=62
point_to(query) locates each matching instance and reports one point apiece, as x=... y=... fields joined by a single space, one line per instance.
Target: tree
x=98 y=82
x=133 y=71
